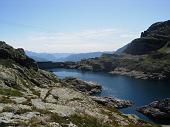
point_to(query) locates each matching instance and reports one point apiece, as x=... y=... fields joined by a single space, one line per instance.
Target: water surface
x=141 y=92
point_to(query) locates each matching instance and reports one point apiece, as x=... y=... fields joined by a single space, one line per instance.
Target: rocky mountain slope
x=33 y=97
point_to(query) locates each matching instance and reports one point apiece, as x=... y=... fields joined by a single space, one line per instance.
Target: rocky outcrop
x=154 y=38
x=157 y=109
x=83 y=86
x=112 y=102
x=144 y=45
x=17 y=55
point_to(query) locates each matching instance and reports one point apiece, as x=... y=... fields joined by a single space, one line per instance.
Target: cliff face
x=30 y=96
x=153 y=39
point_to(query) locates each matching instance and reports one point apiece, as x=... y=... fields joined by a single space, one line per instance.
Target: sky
x=74 y=26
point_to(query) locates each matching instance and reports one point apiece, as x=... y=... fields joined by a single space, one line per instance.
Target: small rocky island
x=31 y=97
x=83 y=86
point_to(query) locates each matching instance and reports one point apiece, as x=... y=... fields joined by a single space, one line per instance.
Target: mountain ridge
x=151 y=40
x=61 y=57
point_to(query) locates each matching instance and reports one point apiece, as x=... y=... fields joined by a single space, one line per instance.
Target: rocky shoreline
x=138 y=74
x=92 y=88
x=112 y=102
x=157 y=109
x=116 y=71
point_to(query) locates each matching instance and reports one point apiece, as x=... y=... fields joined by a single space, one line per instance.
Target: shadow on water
x=141 y=92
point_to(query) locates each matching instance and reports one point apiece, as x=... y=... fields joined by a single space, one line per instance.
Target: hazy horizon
x=67 y=52
x=77 y=26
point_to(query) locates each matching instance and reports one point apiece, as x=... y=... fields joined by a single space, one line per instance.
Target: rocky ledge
x=138 y=74
x=83 y=86
x=157 y=109
x=112 y=102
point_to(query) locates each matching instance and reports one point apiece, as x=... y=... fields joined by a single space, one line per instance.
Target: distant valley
x=62 y=57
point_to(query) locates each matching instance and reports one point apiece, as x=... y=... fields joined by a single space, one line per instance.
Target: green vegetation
x=79 y=120
x=6 y=62
x=10 y=92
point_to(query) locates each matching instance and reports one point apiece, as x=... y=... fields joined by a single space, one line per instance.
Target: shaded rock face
x=17 y=55
x=157 y=109
x=154 y=38
x=144 y=45
x=83 y=86
x=112 y=102
x=159 y=28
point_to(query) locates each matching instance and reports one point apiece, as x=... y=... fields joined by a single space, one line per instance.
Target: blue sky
x=77 y=25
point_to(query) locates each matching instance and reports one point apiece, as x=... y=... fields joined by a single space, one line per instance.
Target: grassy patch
x=79 y=120
x=6 y=62
x=10 y=92
x=86 y=121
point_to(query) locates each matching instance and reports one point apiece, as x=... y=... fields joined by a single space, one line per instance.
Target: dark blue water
x=139 y=91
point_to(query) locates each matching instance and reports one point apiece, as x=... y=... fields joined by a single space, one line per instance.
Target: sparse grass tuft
x=10 y=92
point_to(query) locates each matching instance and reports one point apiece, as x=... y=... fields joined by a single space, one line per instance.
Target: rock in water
x=112 y=102
x=157 y=109
x=83 y=86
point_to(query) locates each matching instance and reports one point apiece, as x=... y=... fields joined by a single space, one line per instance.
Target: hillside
x=33 y=97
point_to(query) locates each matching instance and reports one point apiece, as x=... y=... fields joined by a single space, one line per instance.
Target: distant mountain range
x=62 y=57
